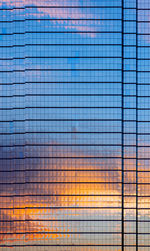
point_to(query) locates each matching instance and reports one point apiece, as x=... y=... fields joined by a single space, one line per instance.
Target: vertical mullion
x=122 y=125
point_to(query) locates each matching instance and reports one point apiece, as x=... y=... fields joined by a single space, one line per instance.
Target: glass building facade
x=75 y=125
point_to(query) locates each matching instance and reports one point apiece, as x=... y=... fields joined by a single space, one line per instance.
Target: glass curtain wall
x=75 y=125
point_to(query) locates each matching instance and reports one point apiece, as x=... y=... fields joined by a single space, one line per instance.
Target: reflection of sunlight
x=26 y=218
x=65 y=196
x=79 y=195
x=37 y=212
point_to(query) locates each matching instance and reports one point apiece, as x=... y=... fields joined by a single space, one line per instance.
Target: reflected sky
x=74 y=124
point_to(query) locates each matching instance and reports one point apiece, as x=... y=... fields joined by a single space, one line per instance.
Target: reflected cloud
x=38 y=203
x=59 y=13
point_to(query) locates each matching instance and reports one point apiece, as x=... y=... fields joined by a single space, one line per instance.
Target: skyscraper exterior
x=75 y=125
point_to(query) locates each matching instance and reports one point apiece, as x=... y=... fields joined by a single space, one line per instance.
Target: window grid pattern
x=74 y=127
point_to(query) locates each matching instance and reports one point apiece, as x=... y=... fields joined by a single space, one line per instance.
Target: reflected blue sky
x=62 y=123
